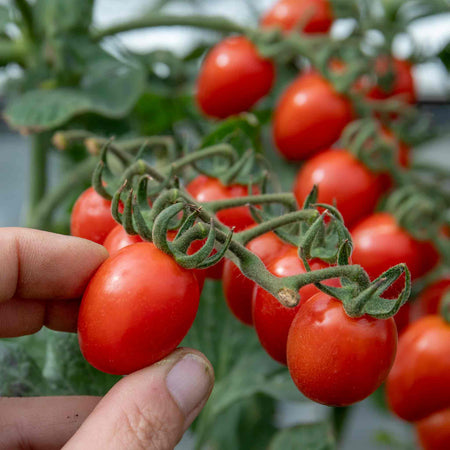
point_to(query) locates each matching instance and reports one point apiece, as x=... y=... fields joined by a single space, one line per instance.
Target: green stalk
x=80 y=174
x=161 y=20
x=27 y=15
x=38 y=173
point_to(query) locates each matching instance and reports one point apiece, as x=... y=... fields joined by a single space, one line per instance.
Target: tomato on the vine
x=136 y=309
x=270 y=318
x=233 y=77
x=335 y=359
x=402 y=83
x=315 y=16
x=118 y=238
x=343 y=180
x=237 y=288
x=309 y=117
x=429 y=299
x=419 y=382
x=91 y=217
x=434 y=431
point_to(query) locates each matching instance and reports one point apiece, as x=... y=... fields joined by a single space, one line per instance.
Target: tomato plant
x=270 y=318
x=233 y=78
x=355 y=199
x=335 y=359
x=237 y=288
x=313 y=16
x=91 y=217
x=301 y=125
x=136 y=309
x=419 y=382
x=434 y=431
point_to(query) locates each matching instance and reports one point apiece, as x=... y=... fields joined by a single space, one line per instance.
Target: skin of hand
x=42 y=277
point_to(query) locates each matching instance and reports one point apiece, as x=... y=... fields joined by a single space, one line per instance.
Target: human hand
x=42 y=277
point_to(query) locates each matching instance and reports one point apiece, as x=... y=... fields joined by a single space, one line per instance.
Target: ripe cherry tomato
x=270 y=318
x=237 y=288
x=118 y=238
x=316 y=16
x=403 y=83
x=429 y=299
x=233 y=78
x=91 y=217
x=434 y=431
x=309 y=117
x=137 y=308
x=379 y=243
x=355 y=198
x=419 y=382
x=335 y=359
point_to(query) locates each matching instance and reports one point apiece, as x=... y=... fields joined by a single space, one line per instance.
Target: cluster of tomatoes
x=140 y=304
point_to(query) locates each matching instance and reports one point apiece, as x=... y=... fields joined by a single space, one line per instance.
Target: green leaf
x=5 y=17
x=109 y=88
x=68 y=372
x=62 y=16
x=316 y=436
x=444 y=56
x=19 y=373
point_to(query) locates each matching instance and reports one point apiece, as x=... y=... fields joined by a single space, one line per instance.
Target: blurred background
x=432 y=86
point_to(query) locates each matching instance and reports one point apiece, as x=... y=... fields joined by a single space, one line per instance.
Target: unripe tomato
x=335 y=359
x=91 y=217
x=380 y=243
x=419 y=382
x=233 y=78
x=434 y=431
x=316 y=16
x=237 y=288
x=309 y=117
x=270 y=318
x=402 y=85
x=356 y=197
x=428 y=301
x=136 y=309
x=118 y=238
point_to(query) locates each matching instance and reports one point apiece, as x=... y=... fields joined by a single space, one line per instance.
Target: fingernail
x=189 y=382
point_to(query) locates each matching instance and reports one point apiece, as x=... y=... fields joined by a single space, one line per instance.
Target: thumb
x=151 y=408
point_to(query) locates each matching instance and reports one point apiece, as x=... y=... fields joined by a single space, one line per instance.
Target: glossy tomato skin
x=403 y=84
x=419 y=382
x=91 y=217
x=233 y=78
x=380 y=243
x=118 y=238
x=288 y=15
x=434 y=431
x=428 y=301
x=309 y=117
x=335 y=359
x=270 y=318
x=136 y=309
x=342 y=178
x=237 y=288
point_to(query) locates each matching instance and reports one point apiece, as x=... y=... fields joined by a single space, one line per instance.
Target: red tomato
x=118 y=238
x=419 y=382
x=91 y=217
x=309 y=117
x=137 y=308
x=379 y=243
x=270 y=318
x=237 y=288
x=429 y=299
x=316 y=16
x=233 y=78
x=403 y=84
x=404 y=151
x=434 y=431
x=335 y=359
x=343 y=179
